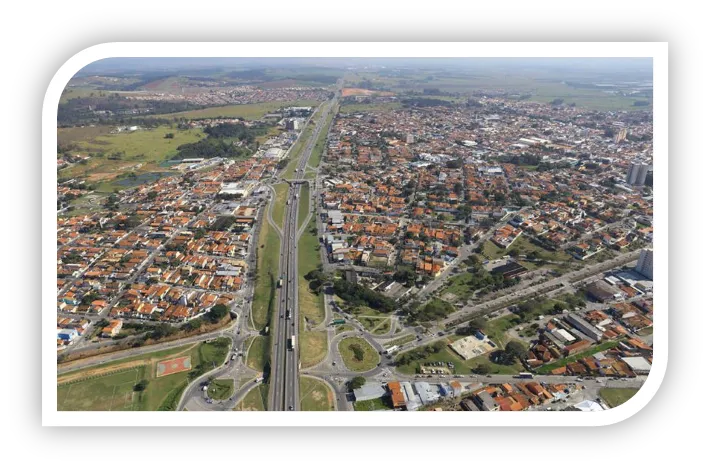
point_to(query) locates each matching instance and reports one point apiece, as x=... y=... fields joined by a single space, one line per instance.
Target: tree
x=358 y=353
x=357 y=382
x=479 y=323
x=482 y=369
x=217 y=312
x=140 y=386
x=516 y=349
x=169 y=136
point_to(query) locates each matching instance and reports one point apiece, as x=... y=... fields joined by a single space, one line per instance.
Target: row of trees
x=358 y=295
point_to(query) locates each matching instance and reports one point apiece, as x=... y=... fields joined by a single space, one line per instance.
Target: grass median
x=358 y=354
x=315 y=395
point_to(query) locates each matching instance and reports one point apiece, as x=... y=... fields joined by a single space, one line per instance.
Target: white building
x=644 y=265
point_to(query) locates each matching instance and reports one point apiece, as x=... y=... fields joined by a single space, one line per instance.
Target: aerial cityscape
x=355 y=234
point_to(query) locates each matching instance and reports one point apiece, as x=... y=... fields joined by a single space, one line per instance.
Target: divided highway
x=284 y=385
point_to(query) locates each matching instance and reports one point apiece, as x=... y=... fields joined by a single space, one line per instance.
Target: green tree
x=357 y=382
x=140 y=386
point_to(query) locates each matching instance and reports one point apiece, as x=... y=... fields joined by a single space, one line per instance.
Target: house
x=485 y=401
x=113 y=328
x=369 y=392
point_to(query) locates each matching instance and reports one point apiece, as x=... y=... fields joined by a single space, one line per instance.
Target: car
x=290 y=408
x=333 y=362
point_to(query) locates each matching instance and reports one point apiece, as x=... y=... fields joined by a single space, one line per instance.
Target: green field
x=524 y=246
x=563 y=362
x=458 y=286
x=279 y=204
x=313 y=347
x=311 y=305
x=259 y=351
x=315 y=395
x=138 y=152
x=617 y=396
x=255 y=400
x=369 y=360
x=92 y=390
x=495 y=329
x=221 y=389
x=245 y=111
x=343 y=328
x=377 y=404
x=267 y=268
x=303 y=203
x=319 y=147
x=376 y=326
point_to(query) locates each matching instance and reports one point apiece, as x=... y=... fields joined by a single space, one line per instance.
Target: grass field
x=303 y=204
x=495 y=329
x=313 y=347
x=245 y=111
x=255 y=400
x=267 y=268
x=617 y=396
x=563 y=362
x=315 y=395
x=258 y=352
x=459 y=286
x=279 y=204
x=109 y=387
x=369 y=360
x=311 y=305
x=140 y=152
x=221 y=389
x=524 y=246
x=377 y=326
x=319 y=147
x=377 y=404
x=343 y=328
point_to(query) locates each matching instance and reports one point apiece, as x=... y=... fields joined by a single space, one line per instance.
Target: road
x=284 y=383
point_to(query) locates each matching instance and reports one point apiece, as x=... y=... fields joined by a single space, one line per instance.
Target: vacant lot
x=314 y=347
x=110 y=387
x=315 y=395
x=350 y=350
x=617 y=396
x=245 y=111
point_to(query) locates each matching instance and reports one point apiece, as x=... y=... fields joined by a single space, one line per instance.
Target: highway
x=284 y=383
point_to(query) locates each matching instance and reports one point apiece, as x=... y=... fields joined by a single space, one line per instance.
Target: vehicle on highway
x=525 y=375
x=290 y=408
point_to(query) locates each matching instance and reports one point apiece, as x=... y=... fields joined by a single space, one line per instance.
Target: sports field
x=110 y=386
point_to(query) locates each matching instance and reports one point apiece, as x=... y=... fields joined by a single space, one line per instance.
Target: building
x=636 y=175
x=585 y=327
x=369 y=392
x=410 y=138
x=644 y=265
x=113 y=328
x=509 y=270
x=396 y=395
x=485 y=401
x=638 y=364
x=67 y=334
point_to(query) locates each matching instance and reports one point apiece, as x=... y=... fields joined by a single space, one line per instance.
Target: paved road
x=284 y=387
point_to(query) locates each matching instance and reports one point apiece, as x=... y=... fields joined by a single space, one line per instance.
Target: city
x=355 y=238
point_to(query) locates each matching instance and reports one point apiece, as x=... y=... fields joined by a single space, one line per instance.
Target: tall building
x=636 y=174
x=620 y=136
x=410 y=138
x=644 y=265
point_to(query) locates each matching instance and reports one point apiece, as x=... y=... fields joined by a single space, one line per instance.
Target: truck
x=280 y=283
x=338 y=322
x=292 y=343
x=525 y=375
x=391 y=349
x=288 y=314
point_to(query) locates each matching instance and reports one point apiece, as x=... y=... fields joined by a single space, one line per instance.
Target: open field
x=377 y=326
x=140 y=152
x=109 y=387
x=315 y=395
x=376 y=404
x=221 y=389
x=255 y=400
x=313 y=347
x=617 y=396
x=319 y=147
x=343 y=328
x=370 y=356
x=258 y=352
x=311 y=305
x=495 y=329
x=267 y=268
x=245 y=111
